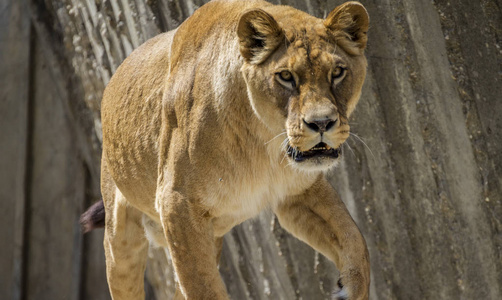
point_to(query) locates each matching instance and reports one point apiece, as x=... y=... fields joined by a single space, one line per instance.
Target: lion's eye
x=337 y=75
x=286 y=75
x=286 y=78
x=338 y=72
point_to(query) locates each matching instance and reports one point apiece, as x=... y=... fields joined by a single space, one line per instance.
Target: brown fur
x=196 y=124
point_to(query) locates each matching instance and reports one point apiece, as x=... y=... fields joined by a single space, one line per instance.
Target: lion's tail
x=94 y=217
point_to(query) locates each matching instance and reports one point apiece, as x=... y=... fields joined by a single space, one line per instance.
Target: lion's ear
x=259 y=35
x=349 y=23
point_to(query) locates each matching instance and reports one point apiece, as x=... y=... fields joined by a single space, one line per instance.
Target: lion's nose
x=321 y=126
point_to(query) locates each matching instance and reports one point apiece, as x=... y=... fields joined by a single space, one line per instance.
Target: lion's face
x=304 y=78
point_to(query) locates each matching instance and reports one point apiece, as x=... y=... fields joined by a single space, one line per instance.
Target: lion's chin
x=321 y=157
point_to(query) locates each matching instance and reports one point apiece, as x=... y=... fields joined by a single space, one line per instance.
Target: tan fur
x=195 y=129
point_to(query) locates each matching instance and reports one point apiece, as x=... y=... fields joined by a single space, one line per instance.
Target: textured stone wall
x=422 y=175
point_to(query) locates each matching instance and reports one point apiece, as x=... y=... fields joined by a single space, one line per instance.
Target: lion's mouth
x=318 y=150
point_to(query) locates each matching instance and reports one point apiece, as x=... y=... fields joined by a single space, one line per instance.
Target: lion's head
x=304 y=76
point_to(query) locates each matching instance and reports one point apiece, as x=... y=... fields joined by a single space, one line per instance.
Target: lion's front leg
x=319 y=218
x=193 y=248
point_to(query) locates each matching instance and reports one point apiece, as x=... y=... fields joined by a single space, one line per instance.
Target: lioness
x=243 y=107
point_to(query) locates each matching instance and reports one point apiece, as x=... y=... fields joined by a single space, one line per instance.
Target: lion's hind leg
x=125 y=244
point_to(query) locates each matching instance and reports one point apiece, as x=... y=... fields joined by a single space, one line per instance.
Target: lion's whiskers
x=284 y=132
x=284 y=146
x=361 y=140
x=350 y=148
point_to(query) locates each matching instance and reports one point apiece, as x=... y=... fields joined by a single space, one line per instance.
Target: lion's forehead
x=310 y=48
x=308 y=57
